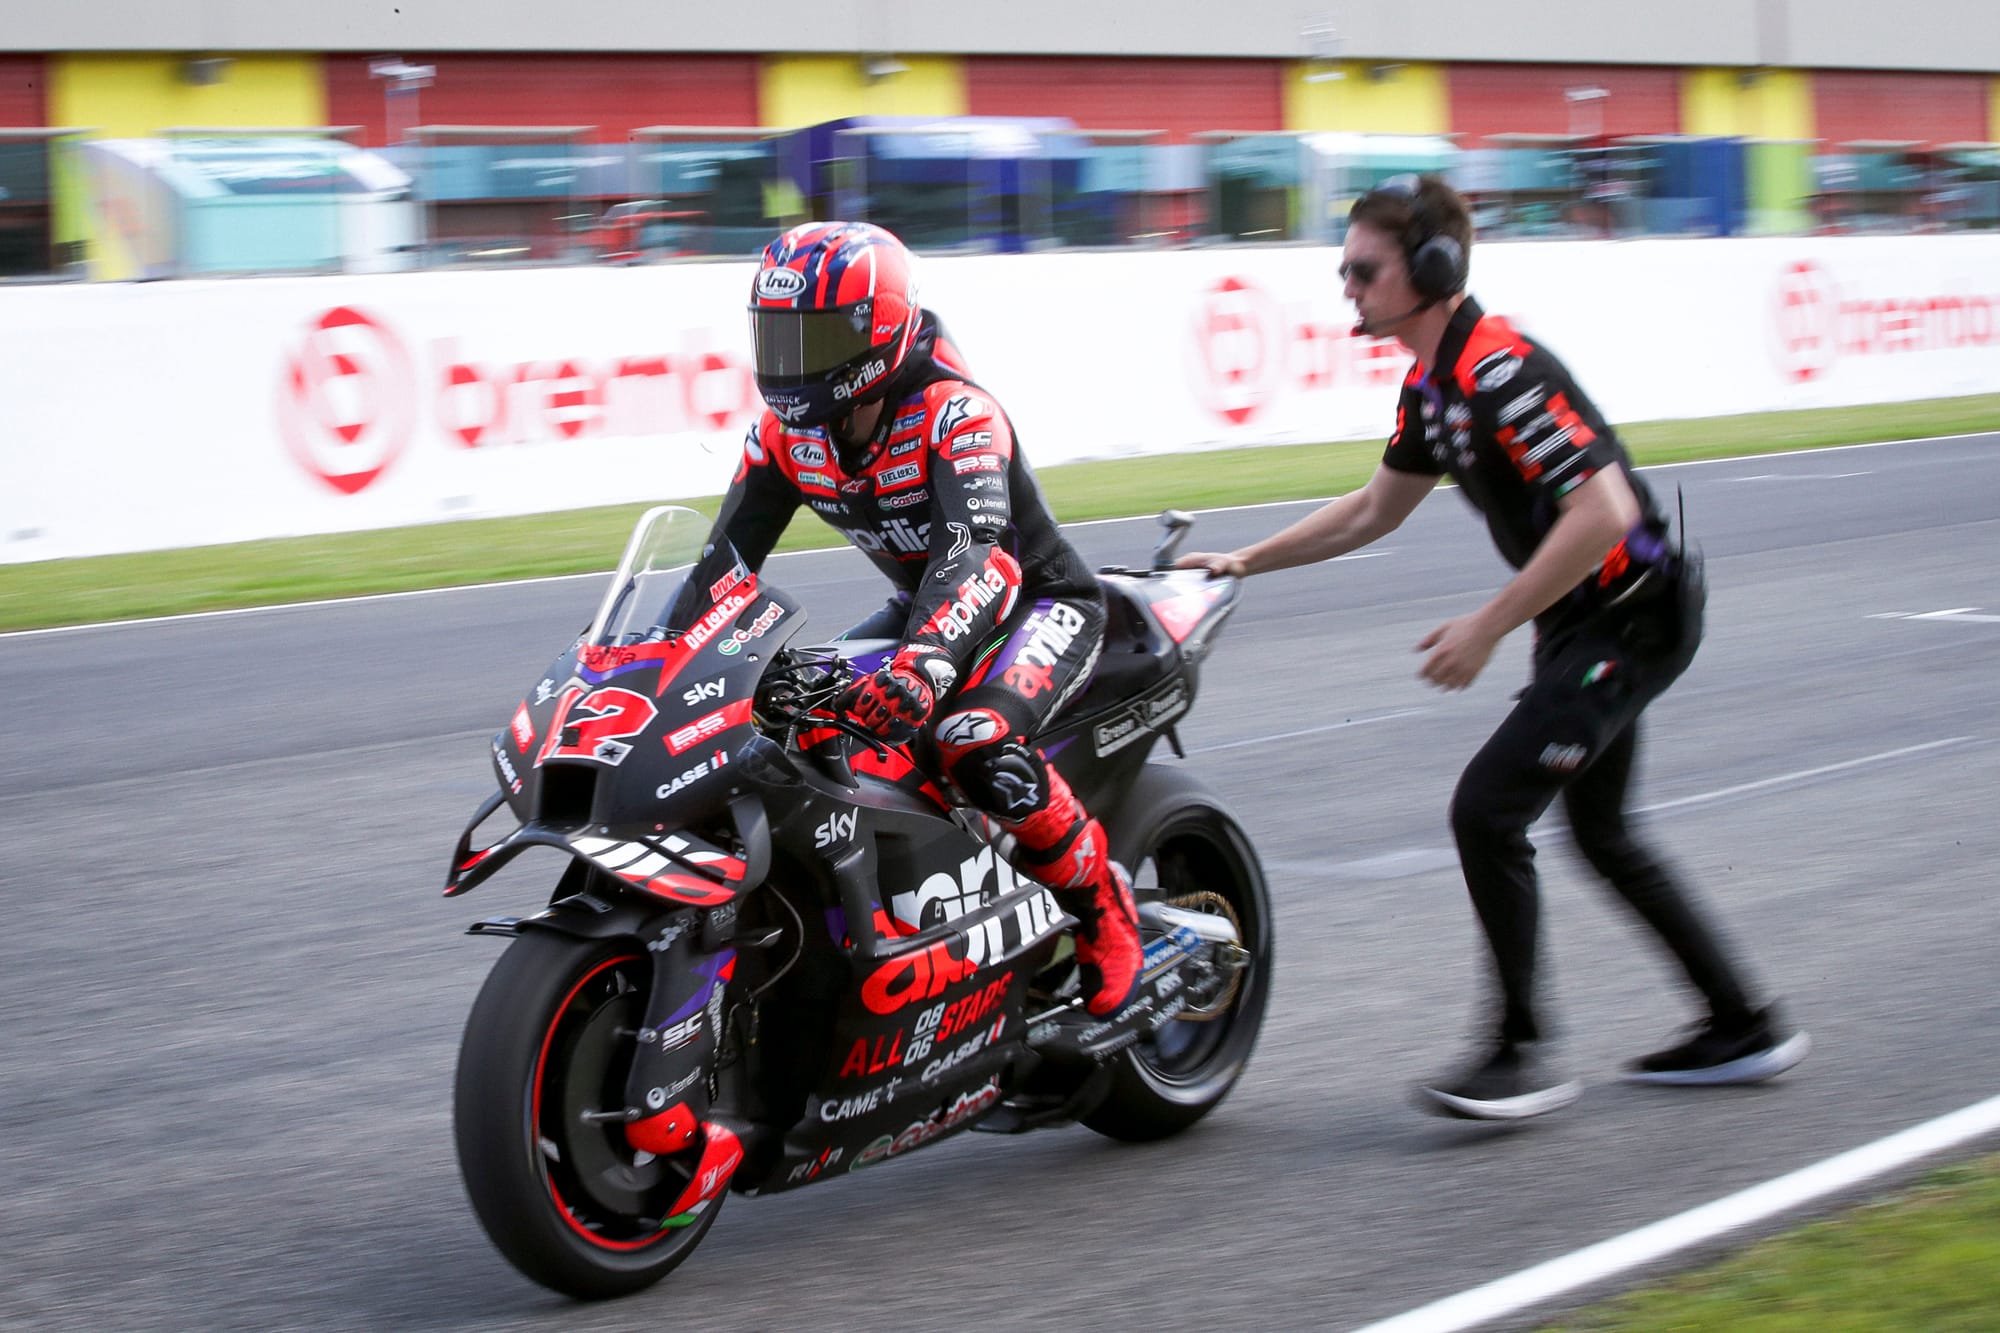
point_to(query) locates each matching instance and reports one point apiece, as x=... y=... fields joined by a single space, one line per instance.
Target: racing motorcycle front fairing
x=620 y=758
x=619 y=755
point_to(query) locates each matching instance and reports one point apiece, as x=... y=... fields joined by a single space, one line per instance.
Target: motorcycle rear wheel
x=568 y=1202
x=1181 y=846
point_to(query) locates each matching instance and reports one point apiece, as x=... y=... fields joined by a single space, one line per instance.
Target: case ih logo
x=1248 y=349
x=348 y=403
x=1815 y=324
x=353 y=396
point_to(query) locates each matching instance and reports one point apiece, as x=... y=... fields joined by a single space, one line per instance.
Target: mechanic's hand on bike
x=894 y=703
x=1219 y=564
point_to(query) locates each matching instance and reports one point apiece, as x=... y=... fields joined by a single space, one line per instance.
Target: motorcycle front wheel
x=562 y=1196
x=1184 y=848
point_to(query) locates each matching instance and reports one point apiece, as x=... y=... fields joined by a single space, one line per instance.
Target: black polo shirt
x=1504 y=419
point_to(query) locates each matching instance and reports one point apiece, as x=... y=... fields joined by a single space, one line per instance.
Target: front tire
x=567 y=1201
x=1184 y=848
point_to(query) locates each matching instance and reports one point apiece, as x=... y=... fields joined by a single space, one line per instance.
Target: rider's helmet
x=833 y=312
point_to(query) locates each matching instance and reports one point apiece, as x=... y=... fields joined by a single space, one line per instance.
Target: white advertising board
x=145 y=416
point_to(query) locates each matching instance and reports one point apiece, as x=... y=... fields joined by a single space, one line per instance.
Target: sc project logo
x=347 y=405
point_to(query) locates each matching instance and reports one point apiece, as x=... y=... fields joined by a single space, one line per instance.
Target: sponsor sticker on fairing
x=737 y=573
x=1140 y=717
x=507 y=769
x=733 y=642
x=718 y=616
x=713 y=724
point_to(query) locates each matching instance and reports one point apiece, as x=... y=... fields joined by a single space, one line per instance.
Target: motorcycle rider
x=872 y=420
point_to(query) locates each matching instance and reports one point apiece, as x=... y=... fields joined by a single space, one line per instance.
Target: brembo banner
x=142 y=416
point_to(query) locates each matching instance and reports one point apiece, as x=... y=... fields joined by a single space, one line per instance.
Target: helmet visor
x=794 y=344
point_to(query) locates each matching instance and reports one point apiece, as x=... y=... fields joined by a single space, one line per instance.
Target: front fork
x=667 y=1091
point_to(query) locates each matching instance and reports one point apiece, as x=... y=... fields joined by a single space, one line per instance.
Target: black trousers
x=1575 y=733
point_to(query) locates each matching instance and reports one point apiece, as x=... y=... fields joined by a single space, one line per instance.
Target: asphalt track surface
x=232 y=995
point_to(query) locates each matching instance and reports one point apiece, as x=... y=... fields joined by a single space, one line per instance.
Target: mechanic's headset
x=1437 y=261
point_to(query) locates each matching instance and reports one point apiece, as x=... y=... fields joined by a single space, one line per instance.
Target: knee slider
x=1002 y=777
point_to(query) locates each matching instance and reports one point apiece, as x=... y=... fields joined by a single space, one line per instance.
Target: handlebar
x=802 y=690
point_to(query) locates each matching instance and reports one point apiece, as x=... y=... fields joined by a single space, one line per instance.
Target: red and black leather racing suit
x=1504 y=418
x=941 y=501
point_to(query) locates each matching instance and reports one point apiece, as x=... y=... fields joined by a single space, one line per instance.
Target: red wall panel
x=1179 y=96
x=23 y=93
x=616 y=93
x=1528 y=99
x=1886 y=104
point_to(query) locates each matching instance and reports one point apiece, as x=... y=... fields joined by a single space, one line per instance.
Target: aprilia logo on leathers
x=955 y=618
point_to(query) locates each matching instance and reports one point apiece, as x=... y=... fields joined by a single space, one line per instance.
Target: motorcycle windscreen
x=666 y=581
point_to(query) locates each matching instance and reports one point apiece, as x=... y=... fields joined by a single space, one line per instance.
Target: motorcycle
x=781 y=950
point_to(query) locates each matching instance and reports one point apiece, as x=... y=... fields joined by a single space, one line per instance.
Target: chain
x=1214 y=904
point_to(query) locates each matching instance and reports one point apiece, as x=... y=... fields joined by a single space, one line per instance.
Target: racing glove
x=895 y=702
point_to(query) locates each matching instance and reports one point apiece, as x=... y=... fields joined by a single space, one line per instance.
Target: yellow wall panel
x=806 y=90
x=125 y=96
x=1993 y=115
x=1751 y=103
x=1368 y=97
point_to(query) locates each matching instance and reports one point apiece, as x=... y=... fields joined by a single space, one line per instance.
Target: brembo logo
x=352 y=396
x=1248 y=350
x=1816 y=322
x=348 y=404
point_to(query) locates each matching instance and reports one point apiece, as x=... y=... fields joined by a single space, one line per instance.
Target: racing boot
x=1089 y=886
x=1064 y=850
x=1107 y=939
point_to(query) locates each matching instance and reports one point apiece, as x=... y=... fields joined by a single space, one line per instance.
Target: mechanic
x=872 y=420
x=1617 y=611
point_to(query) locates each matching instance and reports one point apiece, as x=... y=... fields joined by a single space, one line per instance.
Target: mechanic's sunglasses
x=1363 y=271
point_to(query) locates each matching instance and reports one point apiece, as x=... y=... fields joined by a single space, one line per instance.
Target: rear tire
x=569 y=1203
x=1178 y=841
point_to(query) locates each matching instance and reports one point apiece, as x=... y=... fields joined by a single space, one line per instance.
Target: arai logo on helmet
x=780 y=284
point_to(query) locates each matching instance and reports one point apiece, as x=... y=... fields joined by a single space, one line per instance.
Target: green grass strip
x=295 y=569
x=1926 y=1260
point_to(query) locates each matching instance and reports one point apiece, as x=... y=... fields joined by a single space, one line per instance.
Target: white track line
x=1621 y=1254
x=1308 y=731
x=821 y=550
x=1702 y=798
